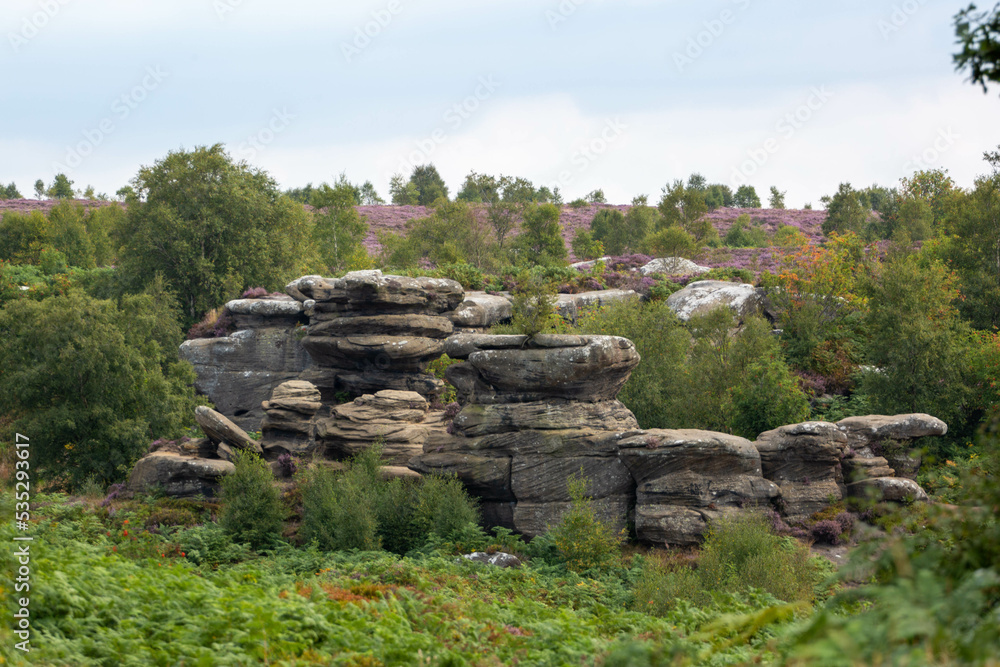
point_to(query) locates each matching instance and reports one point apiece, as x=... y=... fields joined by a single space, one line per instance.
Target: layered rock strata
x=368 y=331
x=536 y=412
x=289 y=425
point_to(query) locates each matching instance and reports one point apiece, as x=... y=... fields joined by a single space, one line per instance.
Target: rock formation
x=289 y=425
x=703 y=296
x=368 y=332
x=239 y=371
x=537 y=411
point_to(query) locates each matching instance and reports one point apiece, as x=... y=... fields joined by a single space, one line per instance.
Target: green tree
x=369 y=196
x=914 y=221
x=608 y=227
x=697 y=182
x=23 y=236
x=402 y=192
x=302 y=195
x=540 y=241
x=746 y=197
x=846 y=212
x=61 y=188
x=585 y=246
x=685 y=208
x=718 y=195
x=978 y=34
x=933 y=186
x=429 y=184
x=777 y=199
x=252 y=511
x=212 y=227
x=505 y=198
x=338 y=231
x=39 y=189
x=451 y=234
x=10 y=192
x=92 y=382
x=597 y=197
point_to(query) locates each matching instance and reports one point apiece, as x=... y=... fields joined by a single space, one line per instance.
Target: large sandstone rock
x=178 y=475
x=686 y=477
x=238 y=372
x=480 y=311
x=557 y=414
x=804 y=460
x=704 y=296
x=414 y=325
x=572 y=306
x=218 y=429
x=673 y=266
x=375 y=292
x=399 y=418
x=893 y=489
x=331 y=381
x=271 y=311
x=585 y=368
x=398 y=353
x=289 y=425
x=891 y=438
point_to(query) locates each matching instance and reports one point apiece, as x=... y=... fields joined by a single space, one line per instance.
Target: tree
x=338 y=230
x=746 y=197
x=429 y=184
x=39 y=189
x=61 y=188
x=505 y=198
x=369 y=197
x=92 y=382
x=934 y=186
x=213 y=228
x=685 y=208
x=451 y=234
x=979 y=36
x=608 y=227
x=302 y=195
x=846 y=212
x=540 y=241
x=597 y=197
x=10 y=192
x=777 y=199
x=697 y=182
x=401 y=192
x=718 y=195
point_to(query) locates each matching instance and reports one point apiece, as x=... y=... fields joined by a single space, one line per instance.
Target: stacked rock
x=289 y=425
x=401 y=420
x=686 y=478
x=537 y=411
x=370 y=332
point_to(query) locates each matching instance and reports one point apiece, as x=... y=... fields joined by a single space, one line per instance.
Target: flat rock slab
x=275 y=307
x=673 y=266
x=218 y=428
x=426 y=326
x=862 y=431
x=654 y=453
x=404 y=353
x=461 y=345
x=476 y=420
x=178 y=475
x=371 y=289
x=703 y=296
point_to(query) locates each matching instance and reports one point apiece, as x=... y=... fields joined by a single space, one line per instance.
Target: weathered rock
x=400 y=419
x=572 y=306
x=673 y=266
x=804 y=461
x=485 y=477
x=414 y=325
x=480 y=310
x=557 y=414
x=857 y=468
x=178 y=475
x=225 y=452
x=498 y=559
x=863 y=431
x=218 y=428
x=289 y=425
x=371 y=290
x=199 y=447
x=295 y=395
x=686 y=477
x=534 y=518
x=704 y=296
x=587 y=265
x=330 y=381
x=398 y=472
x=272 y=311
x=893 y=489
x=544 y=479
x=591 y=368
x=398 y=353
x=461 y=345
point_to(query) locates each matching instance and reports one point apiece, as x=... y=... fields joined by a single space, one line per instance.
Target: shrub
x=252 y=510
x=533 y=305
x=671 y=242
x=827 y=531
x=584 y=541
x=585 y=246
x=339 y=509
x=443 y=507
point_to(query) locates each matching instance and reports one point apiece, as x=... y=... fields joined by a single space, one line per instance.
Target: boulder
x=178 y=475
x=704 y=296
x=271 y=311
x=289 y=425
x=572 y=306
x=673 y=266
x=461 y=345
x=585 y=368
x=220 y=429
x=893 y=489
x=804 y=460
x=863 y=431
x=415 y=325
x=480 y=310
x=557 y=414
x=375 y=292
x=398 y=353
x=498 y=559
x=686 y=477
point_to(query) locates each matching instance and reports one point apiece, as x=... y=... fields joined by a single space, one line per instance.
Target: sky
x=621 y=95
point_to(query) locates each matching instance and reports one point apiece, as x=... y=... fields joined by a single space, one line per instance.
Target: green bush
x=744 y=233
x=252 y=510
x=339 y=509
x=533 y=309
x=443 y=507
x=585 y=541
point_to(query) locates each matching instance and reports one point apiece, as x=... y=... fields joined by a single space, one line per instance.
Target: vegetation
x=252 y=511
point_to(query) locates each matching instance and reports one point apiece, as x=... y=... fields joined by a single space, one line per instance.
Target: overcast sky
x=624 y=95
